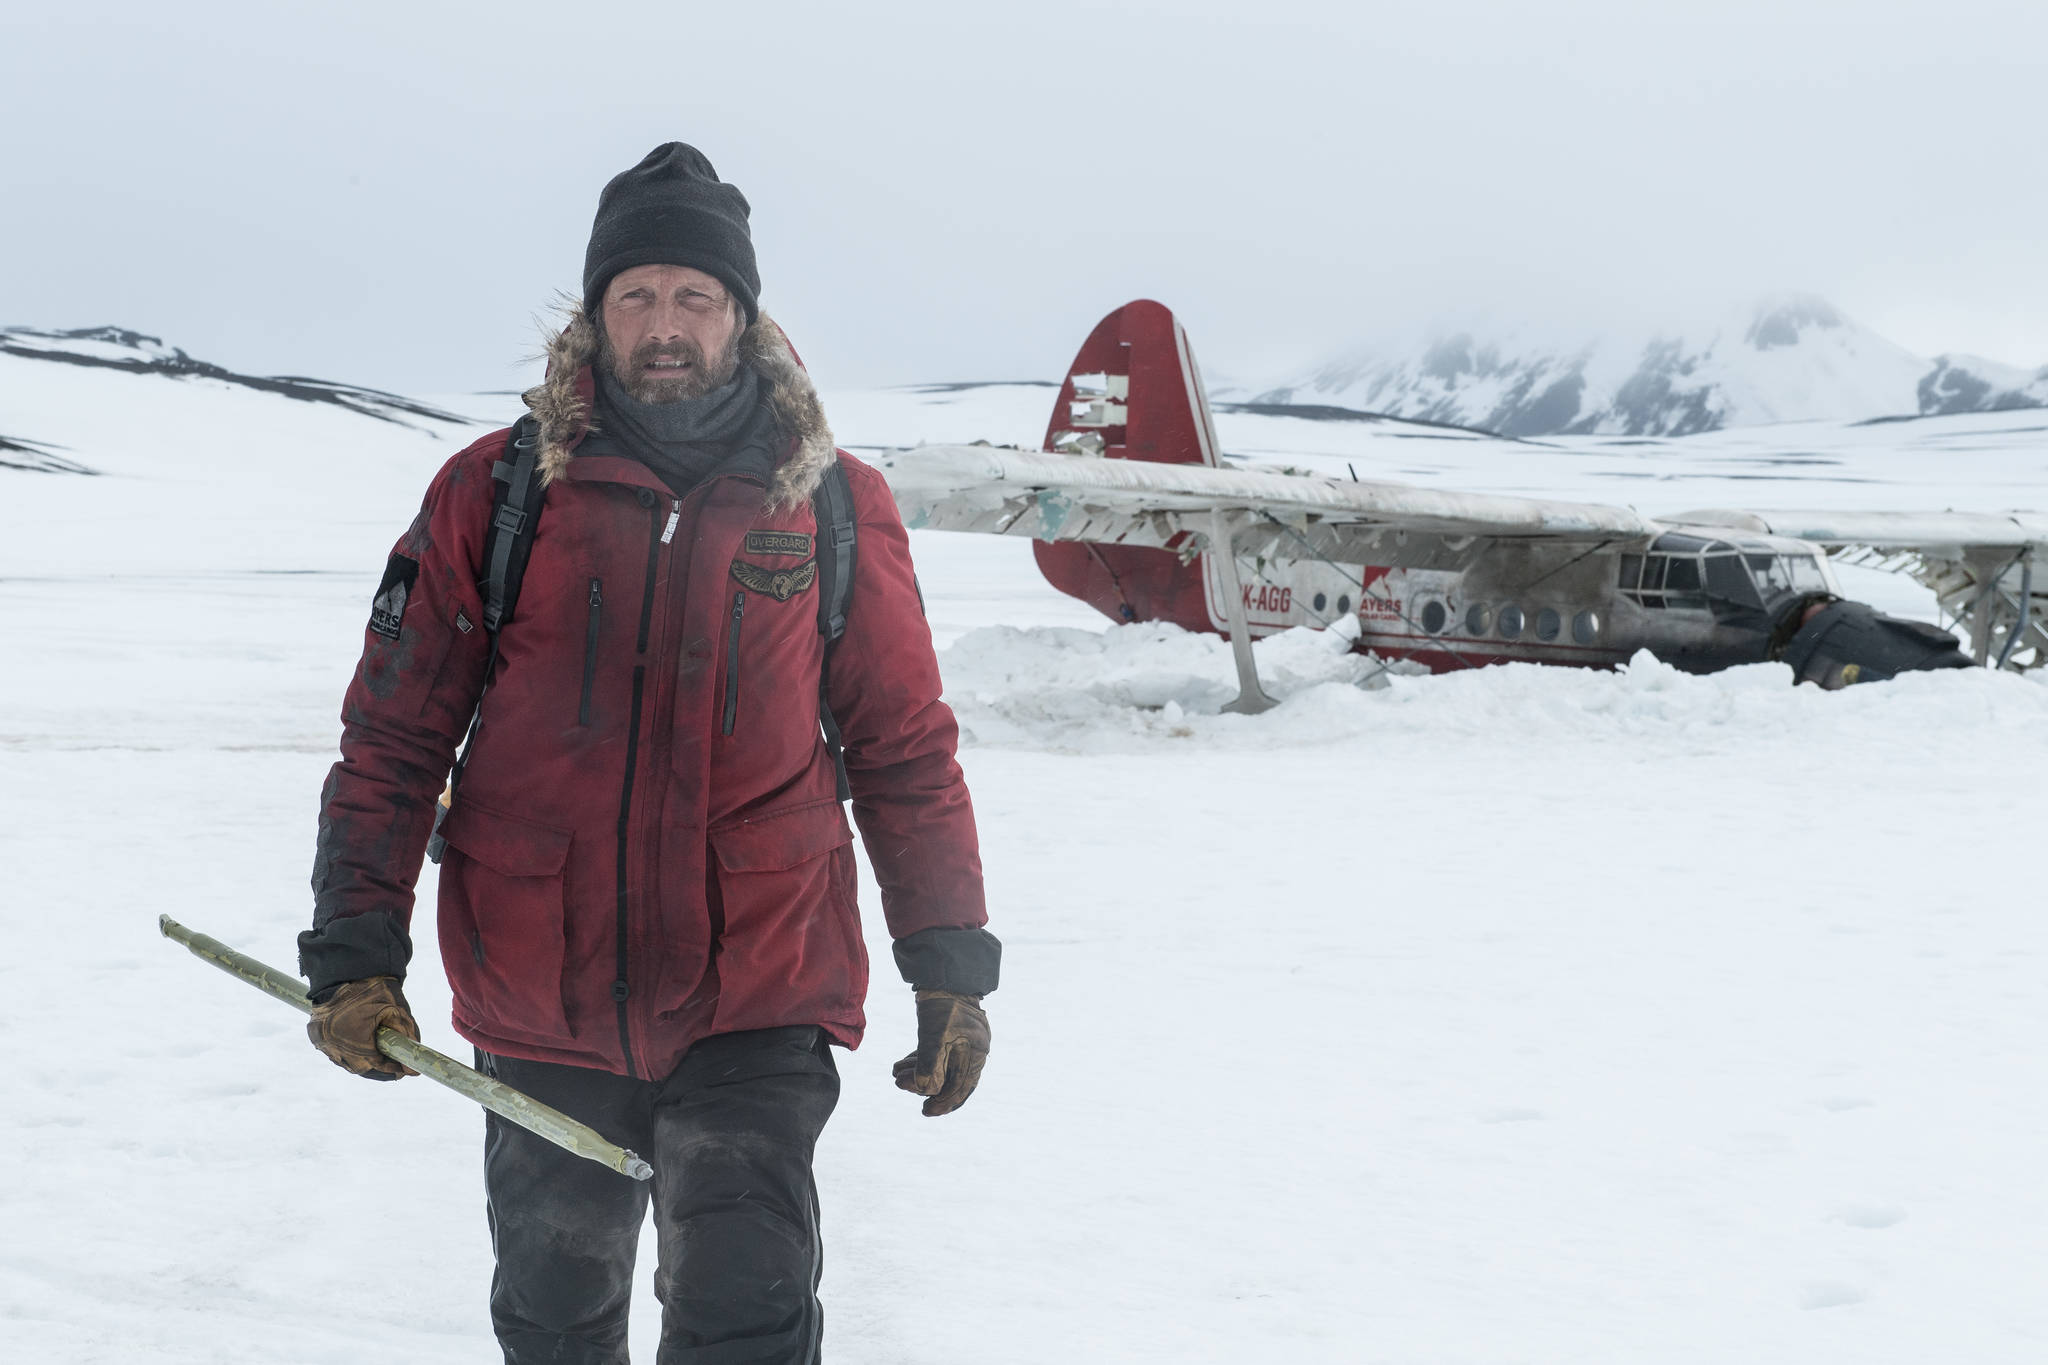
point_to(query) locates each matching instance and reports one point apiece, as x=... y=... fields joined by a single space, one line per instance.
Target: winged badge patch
x=780 y=584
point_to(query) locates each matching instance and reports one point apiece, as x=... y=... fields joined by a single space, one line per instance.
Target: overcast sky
x=389 y=194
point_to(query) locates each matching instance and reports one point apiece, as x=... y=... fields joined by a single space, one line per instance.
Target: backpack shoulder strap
x=516 y=500
x=515 y=507
x=833 y=506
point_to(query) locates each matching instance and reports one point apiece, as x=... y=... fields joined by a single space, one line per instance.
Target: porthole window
x=1510 y=623
x=1477 y=619
x=1322 y=600
x=1343 y=603
x=1585 y=628
x=1434 y=617
x=1548 y=624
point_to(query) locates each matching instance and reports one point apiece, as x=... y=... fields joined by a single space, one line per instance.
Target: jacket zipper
x=662 y=537
x=590 y=649
x=732 y=661
x=622 y=989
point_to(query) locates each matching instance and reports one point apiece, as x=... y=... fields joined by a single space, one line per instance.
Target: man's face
x=669 y=332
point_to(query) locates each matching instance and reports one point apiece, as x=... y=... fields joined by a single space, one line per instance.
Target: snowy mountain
x=1794 y=358
x=1968 y=383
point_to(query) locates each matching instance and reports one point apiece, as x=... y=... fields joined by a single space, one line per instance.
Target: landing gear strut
x=1251 y=697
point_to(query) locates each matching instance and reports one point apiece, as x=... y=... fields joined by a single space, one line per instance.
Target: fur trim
x=561 y=403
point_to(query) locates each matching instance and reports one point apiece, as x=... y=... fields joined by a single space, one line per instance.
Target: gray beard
x=701 y=378
x=652 y=430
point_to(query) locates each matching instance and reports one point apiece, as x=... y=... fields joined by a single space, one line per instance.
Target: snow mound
x=1096 y=691
x=1153 y=686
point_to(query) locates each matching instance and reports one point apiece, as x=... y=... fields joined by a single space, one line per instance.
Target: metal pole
x=494 y=1095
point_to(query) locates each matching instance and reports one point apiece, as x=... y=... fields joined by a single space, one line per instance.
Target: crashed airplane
x=1133 y=511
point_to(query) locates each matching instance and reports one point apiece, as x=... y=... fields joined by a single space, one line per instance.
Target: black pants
x=730 y=1135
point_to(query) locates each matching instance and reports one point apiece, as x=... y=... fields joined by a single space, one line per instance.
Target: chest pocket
x=824 y=575
x=763 y=573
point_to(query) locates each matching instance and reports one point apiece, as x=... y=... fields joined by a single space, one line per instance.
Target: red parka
x=647 y=847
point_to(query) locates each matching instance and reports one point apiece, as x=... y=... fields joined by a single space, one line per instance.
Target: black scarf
x=684 y=440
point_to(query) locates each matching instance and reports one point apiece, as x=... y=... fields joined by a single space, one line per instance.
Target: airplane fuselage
x=1700 y=600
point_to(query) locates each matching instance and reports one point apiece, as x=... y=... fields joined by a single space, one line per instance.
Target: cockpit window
x=1666 y=582
x=1807 y=573
x=1728 y=579
x=1683 y=572
x=1772 y=578
x=1780 y=575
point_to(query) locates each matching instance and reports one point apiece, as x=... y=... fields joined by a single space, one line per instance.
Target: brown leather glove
x=952 y=1046
x=345 y=1028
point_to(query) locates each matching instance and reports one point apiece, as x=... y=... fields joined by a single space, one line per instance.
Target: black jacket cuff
x=351 y=949
x=963 y=960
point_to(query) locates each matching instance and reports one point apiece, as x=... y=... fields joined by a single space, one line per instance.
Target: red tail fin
x=1132 y=393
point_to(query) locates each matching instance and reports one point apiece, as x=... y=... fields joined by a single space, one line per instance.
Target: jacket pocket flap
x=505 y=843
x=779 y=840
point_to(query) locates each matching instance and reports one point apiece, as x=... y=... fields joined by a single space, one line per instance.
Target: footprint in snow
x=1872 y=1216
x=1828 y=1294
x=1512 y=1116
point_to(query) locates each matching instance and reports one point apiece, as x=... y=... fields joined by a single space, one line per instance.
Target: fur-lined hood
x=561 y=403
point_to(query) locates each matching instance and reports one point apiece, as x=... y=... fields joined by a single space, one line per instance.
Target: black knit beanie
x=672 y=209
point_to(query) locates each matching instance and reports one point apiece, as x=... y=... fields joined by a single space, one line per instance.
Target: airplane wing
x=1055 y=496
x=1980 y=566
x=1949 y=534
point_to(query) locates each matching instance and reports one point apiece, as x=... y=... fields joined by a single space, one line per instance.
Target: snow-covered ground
x=1517 y=1016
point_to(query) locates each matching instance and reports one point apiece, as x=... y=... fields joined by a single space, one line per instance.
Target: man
x=648 y=896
